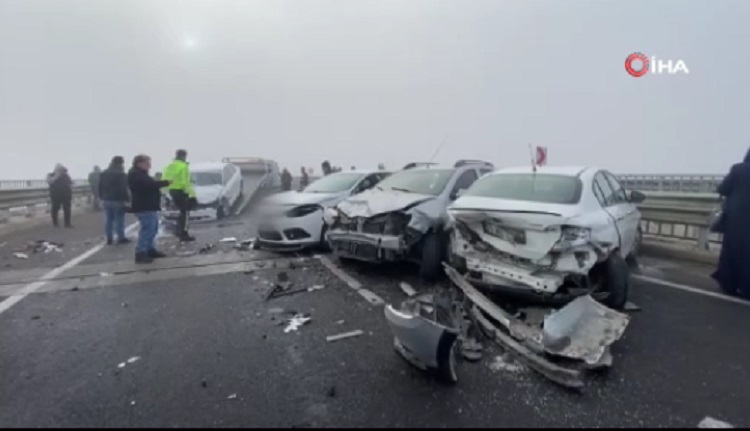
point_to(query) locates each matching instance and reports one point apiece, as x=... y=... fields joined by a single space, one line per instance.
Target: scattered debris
x=204 y=384
x=275 y=311
x=36 y=317
x=124 y=305
x=206 y=249
x=407 y=289
x=19 y=255
x=105 y=274
x=232 y=397
x=75 y=289
x=710 y=422
x=42 y=246
x=472 y=350
x=230 y=239
x=245 y=245
x=341 y=322
x=344 y=336
x=249 y=272
x=331 y=393
x=316 y=287
x=506 y=364
x=134 y=359
x=296 y=322
x=186 y=253
x=631 y=306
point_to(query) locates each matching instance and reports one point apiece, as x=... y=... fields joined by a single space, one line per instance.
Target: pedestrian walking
x=286 y=180
x=145 y=194
x=94 y=178
x=326 y=168
x=733 y=271
x=181 y=191
x=113 y=191
x=304 y=180
x=61 y=194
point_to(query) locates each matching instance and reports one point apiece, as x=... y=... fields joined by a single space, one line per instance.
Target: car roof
x=570 y=171
x=360 y=171
x=207 y=166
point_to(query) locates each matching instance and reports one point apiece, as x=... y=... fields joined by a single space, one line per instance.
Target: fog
x=360 y=82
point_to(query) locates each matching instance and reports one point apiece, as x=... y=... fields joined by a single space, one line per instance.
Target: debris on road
x=230 y=239
x=36 y=317
x=206 y=249
x=407 y=289
x=232 y=397
x=344 y=336
x=204 y=384
x=245 y=245
x=275 y=311
x=505 y=363
x=331 y=393
x=130 y=361
x=631 y=306
x=19 y=255
x=186 y=253
x=472 y=350
x=105 y=274
x=710 y=422
x=296 y=322
x=316 y=287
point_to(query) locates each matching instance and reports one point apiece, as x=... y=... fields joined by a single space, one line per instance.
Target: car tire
x=616 y=281
x=433 y=250
x=222 y=210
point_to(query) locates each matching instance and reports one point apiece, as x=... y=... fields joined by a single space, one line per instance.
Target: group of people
x=136 y=191
x=326 y=168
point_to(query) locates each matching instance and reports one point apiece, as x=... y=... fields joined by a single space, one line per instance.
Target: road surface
x=88 y=339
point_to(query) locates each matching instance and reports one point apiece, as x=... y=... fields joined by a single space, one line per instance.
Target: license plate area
x=513 y=236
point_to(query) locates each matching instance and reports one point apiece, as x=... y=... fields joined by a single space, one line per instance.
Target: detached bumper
x=367 y=247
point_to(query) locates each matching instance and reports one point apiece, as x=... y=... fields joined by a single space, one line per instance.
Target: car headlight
x=303 y=210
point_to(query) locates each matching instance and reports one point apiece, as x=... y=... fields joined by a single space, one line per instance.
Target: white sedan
x=294 y=220
x=558 y=231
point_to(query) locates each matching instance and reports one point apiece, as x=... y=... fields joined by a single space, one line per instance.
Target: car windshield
x=543 y=188
x=207 y=178
x=423 y=181
x=334 y=183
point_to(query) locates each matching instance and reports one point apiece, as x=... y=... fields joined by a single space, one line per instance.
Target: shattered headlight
x=330 y=215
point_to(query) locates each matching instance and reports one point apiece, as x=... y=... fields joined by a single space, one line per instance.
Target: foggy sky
x=360 y=82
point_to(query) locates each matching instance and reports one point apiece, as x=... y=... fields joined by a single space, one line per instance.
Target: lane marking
x=369 y=296
x=32 y=287
x=691 y=289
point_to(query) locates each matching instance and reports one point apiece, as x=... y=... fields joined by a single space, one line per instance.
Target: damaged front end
x=544 y=253
x=369 y=235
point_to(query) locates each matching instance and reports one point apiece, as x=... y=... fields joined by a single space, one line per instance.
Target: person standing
x=145 y=194
x=61 y=194
x=113 y=191
x=326 y=168
x=286 y=180
x=181 y=191
x=304 y=180
x=733 y=271
x=94 y=178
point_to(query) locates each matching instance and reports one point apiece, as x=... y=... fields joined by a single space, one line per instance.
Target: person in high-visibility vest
x=181 y=191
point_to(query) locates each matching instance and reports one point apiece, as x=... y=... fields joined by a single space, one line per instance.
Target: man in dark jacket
x=61 y=194
x=304 y=180
x=113 y=191
x=145 y=195
x=286 y=180
x=733 y=272
x=326 y=168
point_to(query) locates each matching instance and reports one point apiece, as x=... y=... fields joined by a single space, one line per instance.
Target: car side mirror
x=637 y=197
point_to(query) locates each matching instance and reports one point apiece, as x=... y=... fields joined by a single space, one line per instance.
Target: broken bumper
x=496 y=273
x=290 y=234
x=367 y=247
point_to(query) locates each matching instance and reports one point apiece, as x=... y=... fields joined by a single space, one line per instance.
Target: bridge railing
x=672 y=183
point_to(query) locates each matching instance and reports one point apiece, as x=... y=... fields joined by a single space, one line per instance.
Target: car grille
x=270 y=235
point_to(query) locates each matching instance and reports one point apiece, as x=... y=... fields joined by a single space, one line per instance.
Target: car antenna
x=440 y=147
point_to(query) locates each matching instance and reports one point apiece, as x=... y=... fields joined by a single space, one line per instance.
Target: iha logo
x=639 y=64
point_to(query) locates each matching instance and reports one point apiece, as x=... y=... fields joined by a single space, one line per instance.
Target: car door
x=607 y=195
x=628 y=210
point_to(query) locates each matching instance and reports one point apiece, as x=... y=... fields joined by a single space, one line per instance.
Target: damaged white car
x=556 y=232
x=404 y=217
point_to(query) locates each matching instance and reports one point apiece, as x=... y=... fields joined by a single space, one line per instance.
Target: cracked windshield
x=374 y=214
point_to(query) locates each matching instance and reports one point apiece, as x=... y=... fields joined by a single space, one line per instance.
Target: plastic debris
x=43 y=246
x=134 y=359
x=344 y=336
x=105 y=274
x=296 y=322
x=316 y=287
x=631 y=306
x=709 y=422
x=245 y=244
x=232 y=397
x=407 y=289
x=230 y=239
x=21 y=255
x=505 y=364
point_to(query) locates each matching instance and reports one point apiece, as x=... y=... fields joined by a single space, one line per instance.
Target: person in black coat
x=733 y=272
x=113 y=191
x=286 y=180
x=145 y=194
x=61 y=194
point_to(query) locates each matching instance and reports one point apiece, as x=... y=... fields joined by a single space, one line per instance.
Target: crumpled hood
x=375 y=202
x=207 y=194
x=293 y=198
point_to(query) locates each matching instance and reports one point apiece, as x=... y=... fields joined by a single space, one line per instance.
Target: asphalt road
x=206 y=350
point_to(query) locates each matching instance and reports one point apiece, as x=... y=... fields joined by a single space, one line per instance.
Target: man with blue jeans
x=145 y=194
x=113 y=191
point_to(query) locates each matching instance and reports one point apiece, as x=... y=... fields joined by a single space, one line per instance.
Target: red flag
x=541 y=156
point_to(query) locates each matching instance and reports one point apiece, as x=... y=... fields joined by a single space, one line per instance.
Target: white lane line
x=32 y=287
x=691 y=289
x=369 y=296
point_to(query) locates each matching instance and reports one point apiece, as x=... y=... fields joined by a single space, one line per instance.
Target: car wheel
x=433 y=250
x=616 y=281
x=222 y=211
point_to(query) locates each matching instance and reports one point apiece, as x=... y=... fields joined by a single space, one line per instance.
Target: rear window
x=543 y=188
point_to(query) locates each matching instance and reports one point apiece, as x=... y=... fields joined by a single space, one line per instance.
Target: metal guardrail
x=20 y=198
x=683 y=216
x=31 y=184
x=672 y=183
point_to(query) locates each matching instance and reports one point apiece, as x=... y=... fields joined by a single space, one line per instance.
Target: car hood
x=293 y=198
x=376 y=202
x=207 y=194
